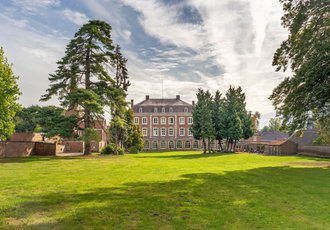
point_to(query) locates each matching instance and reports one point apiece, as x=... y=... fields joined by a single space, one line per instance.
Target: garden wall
x=16 y=149
x=48 y=149
x=322 y=151
x=73 y=146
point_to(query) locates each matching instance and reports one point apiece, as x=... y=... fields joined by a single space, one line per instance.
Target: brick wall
x=16 y=149
x=33 y=137
x=73 y=146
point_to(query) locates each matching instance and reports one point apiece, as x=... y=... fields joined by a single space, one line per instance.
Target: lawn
x=171 y=190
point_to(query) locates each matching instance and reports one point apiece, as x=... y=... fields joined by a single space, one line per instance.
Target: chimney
x=178 y=97
x=132 y=103
x=193 y=103
x=147 y=97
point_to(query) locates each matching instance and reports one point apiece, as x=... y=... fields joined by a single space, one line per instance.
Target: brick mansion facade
x=165 y=123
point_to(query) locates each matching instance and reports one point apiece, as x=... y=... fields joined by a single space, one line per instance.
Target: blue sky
x=184 y=44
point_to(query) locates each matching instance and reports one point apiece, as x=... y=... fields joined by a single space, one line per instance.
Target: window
x=171 y=144
x=155 y=132
x=171 y=131
x=163 y=144
x=140 y=110
x=163 y=110
x=144 y=131
x=190 y=120
x=155 y=120
x=171 y=110
x=190 y=132
x=171 y=120
x=154 y=145
x=185 y=110
x=163 y=120
x=179 y=144
x=155 y=110
x=163 y=132
x=187 y=145
x=181 y=131
x=181 y=120
x=195 y=144
x=136 y=120
x=146 y=144
x=144 y=120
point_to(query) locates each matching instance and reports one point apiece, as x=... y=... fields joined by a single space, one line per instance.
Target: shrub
x=134 y=149
x=109 y=149
x=120 y=151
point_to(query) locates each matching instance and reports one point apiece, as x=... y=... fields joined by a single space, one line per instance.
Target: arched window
x=171 y=144
x=154 y=145
x=146 y=144
x=187 y=145
x=195 y=144
x=179 y=144
x=163 y=144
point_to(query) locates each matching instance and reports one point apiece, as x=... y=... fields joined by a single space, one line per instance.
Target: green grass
x=171 y=190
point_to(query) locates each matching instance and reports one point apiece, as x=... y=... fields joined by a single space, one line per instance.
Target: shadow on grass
x=187 y=156
x=264 y=198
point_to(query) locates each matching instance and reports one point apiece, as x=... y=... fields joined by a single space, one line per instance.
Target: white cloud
x=76 y=17
x=31 y=6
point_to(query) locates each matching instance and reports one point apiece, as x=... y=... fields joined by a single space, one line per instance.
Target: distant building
x=165 y=123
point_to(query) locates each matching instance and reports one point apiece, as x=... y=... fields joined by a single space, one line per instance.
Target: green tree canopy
x=9 y=93
x=307 y=52
x=82 y=80
x=49 y=120
x=203 y=128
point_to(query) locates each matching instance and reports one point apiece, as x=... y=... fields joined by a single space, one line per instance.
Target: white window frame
x=155 y=119
x=144 y=132
x=184 y=132
x=136 y=120
x=189 y=132
x=182 y=120
x=170 y=122
x=190 y=120
x=163 y=131
x=163 y=120
x=144 y=120
x=169 y=133
x=155 y=132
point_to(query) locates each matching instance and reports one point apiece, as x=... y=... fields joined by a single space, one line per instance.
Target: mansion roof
x=149 y=104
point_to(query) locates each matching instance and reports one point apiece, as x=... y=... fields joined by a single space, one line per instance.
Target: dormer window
x=171 y=110
x=156 y=110
x=185 y=110
x=140 y=110
x=163 y=110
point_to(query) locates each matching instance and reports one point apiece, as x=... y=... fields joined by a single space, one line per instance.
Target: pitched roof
x=163 y=102
x=307 y=138
x=273 y=136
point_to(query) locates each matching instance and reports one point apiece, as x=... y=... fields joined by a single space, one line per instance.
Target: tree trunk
x=220 y=145
x=87 y=115
x=235 y=145
x=204 y=145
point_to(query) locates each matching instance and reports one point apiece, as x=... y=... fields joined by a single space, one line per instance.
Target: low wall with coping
x=317 y=150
